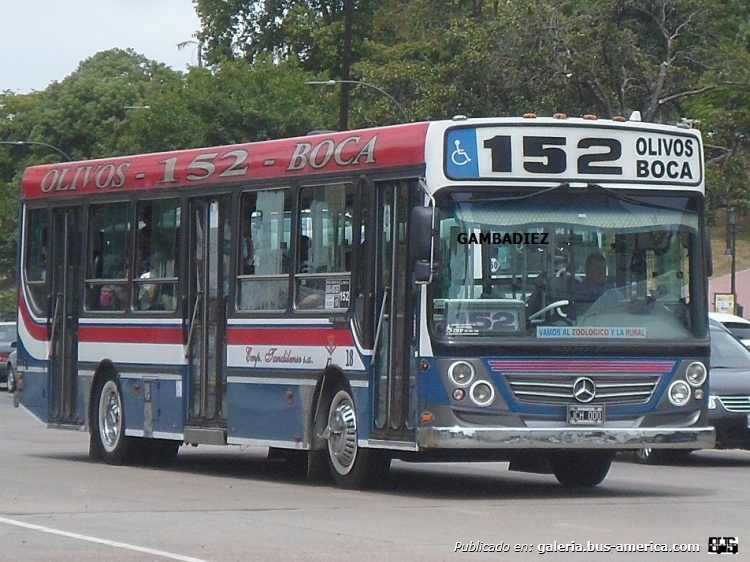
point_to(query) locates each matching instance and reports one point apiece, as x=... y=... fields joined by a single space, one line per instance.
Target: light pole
x=28 y=142
x=381 y=91
x=732 y=219
x=728 y=251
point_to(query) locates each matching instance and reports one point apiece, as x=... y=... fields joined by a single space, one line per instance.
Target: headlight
x=711 y=402
x=461 y=373
x=696 y=374
x=482 y=393
x=679 y=393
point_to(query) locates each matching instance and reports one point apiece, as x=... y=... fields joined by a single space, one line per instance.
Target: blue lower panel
x=168 y=407
x=363 y=405
x=35 y=395
x=268 y=412
x=132 y=398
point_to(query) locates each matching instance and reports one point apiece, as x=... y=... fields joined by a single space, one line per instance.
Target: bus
x=422 y=291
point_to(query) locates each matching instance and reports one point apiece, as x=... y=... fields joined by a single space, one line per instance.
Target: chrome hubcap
x=110 y=416
x=342 y=432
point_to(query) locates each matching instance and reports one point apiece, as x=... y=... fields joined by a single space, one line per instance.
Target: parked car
x=729 y=395
x=10 y=374
x=7 y=345
x=735 y=324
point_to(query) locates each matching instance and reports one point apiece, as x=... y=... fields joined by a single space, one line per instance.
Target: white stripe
x=134 y=432
x=265 y=443
x=270 y=380
x=167 y=435
x=105 y=542
x=293 y=382
x=32 y=370
x=393 y=445
x=155 y=353
x=153 y=376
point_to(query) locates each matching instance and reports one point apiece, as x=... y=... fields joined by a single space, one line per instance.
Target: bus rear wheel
x=108 y=441
x=352 y=467
x=581 y=469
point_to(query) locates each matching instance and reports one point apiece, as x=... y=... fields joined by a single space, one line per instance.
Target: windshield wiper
x=561 y=186
x=632 y=200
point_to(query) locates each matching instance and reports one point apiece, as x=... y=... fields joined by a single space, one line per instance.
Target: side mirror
x=421 y=243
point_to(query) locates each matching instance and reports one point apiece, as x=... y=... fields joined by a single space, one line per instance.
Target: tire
x=644 y=456
x=656 y=456
x=10 y=378
x=108 y=441
x=581 y=469
x=351 y=466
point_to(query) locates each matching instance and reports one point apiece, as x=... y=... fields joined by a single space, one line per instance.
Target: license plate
x=585 y=415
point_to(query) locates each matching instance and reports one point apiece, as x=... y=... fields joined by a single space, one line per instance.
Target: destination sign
x=574 y=153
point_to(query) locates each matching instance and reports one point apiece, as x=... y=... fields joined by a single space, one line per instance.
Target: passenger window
x=157 y=246
x=324 y=247
x=107 y=263
x=265 y=234
x=36 y=258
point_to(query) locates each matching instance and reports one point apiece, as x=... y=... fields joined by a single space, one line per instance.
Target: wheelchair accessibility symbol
x=459 y=156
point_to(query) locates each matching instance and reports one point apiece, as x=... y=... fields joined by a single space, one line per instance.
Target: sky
x=42 y=41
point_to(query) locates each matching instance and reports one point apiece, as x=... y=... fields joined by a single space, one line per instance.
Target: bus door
x=394 y=404
x=208 y=263
x=64 y=267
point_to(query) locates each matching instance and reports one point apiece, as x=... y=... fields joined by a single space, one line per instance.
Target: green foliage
x=8 y=304
x=668 y=59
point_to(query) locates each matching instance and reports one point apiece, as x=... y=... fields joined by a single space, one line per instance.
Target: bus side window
x=155 y=278
x=108 y=243
x=35 y=260
x=326 y=230
x=263 y=264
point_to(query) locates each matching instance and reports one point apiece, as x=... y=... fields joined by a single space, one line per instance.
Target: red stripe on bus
x=130 y=334
x=289 y=336
x=38 y=332
x=346 y=151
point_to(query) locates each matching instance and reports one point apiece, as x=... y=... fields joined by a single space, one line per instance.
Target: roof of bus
x=392 y=146
x=346 y=151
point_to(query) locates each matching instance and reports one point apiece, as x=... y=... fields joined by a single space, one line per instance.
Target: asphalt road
x=231 y=504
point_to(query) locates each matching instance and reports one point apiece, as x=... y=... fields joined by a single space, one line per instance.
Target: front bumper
x=566 y=438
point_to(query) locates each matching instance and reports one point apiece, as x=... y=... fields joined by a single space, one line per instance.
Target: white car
x=735 y=324
x=10 y=371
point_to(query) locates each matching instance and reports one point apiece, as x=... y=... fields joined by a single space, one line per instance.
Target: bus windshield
x=576 y=264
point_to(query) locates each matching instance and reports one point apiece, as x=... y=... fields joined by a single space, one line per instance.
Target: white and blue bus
x=531 y=290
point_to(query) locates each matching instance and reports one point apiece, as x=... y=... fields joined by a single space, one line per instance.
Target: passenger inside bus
x=310 y=295
x=595 y=284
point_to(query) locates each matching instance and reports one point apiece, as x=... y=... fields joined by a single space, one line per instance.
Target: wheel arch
x=104 y=370
x=328 y=379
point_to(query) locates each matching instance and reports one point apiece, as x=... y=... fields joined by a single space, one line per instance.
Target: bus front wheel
x=581 y=469
x=352 y=467
x=108 y=441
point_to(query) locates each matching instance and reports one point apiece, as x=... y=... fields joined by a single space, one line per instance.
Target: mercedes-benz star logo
x=584 y=389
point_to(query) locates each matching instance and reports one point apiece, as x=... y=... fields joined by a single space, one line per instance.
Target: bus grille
x=619 y=389
x=735 y=403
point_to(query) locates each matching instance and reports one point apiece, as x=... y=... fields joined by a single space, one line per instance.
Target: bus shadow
x=441 y=482
x=703 y=459
x=418 y=480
